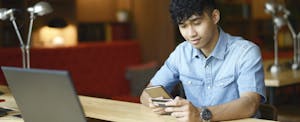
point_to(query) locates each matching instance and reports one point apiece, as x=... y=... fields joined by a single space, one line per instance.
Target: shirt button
x=189 y=82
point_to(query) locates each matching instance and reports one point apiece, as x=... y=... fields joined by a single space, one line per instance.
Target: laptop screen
x=44 y=95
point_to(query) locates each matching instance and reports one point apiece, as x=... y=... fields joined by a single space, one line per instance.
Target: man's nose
x=192 y=31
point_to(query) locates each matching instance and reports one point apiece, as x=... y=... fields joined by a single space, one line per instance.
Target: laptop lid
x=44 y=95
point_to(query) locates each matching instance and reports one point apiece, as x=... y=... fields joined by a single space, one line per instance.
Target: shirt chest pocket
x=189 y=81
x=224 y=82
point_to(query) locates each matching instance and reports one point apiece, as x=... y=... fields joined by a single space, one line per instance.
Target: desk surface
x=283 y=78
x=106 y=109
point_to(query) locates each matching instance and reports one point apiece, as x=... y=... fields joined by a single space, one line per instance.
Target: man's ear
x=215 y=16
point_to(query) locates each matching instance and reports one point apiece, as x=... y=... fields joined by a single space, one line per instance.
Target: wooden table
x=105 y=109
x=283 y=78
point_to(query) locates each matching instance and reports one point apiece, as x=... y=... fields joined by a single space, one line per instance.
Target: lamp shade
x=4 y=13
x=40 y=8
x=270 y=8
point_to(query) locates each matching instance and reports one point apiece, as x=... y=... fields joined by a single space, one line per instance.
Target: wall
x=100 y=10
x=152 y=24
x=154 y=28
x=95 y=10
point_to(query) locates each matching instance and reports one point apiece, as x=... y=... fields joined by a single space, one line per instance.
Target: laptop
x=44 y=95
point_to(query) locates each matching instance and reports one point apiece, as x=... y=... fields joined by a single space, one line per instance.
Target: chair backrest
x=268 y=112
x=140 y=75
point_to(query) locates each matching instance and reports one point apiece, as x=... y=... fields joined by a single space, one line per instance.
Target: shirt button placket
x=208 y=82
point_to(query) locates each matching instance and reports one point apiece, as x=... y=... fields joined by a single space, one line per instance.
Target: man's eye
x=182 y=25
x=197 y=22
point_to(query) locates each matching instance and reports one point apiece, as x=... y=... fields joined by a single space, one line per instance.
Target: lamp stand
x=40 y=8
x=27 y=48
x=275 y=68
x=295 y=64
x=25 y=64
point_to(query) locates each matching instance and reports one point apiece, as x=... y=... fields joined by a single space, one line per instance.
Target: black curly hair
x=181 y=10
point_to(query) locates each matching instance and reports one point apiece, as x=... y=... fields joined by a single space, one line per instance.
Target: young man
x=222 y=75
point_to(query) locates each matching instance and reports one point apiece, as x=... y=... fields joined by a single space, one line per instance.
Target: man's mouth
x=195 y=41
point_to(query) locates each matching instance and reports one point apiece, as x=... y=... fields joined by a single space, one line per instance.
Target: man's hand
x=183 y=110
x=156 y=108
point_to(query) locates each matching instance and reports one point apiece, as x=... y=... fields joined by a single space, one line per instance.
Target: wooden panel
x=100 y=10
x=258 y=9
x=124 y=4
x=154 y=28
x=96 y=10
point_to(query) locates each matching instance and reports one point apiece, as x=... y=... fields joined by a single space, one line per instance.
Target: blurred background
x=75 y=22
x=146 y=21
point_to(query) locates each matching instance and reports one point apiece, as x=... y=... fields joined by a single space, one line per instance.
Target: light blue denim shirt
x=234 y=67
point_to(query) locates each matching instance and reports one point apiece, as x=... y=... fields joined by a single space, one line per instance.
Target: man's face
x=200 y=31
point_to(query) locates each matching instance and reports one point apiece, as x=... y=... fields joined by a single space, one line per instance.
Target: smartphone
x=160 y=102
x=158 y=91
x=159 y=95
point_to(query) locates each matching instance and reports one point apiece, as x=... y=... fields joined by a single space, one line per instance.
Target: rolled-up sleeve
x=167 y=75
x=251 y=73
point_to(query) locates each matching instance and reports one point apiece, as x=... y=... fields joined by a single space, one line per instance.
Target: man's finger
x=177 y=102
x=152 y=105
x=178 y=114
x=173 y=109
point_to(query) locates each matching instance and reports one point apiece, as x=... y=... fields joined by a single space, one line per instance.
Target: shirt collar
x=221 y=46
x=196 y=53
x=219 y=50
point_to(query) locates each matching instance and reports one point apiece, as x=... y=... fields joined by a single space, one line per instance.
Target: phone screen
x=158 y=91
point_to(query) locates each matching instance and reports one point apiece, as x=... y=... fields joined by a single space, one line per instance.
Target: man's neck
x=207 y=51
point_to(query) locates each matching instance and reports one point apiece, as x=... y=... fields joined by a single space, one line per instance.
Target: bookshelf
x=247 y=18
x=104 y=31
